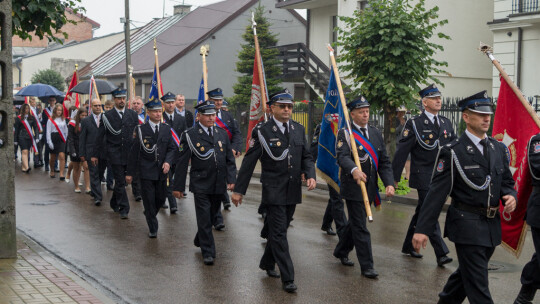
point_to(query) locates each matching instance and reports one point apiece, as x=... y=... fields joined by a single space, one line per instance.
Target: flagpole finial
x=205 y=49
x=130 y=69
x=76 y=66
x=155 y=44
x=253 y=23
x=486 y=49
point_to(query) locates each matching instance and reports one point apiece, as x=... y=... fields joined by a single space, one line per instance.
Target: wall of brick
x=78 y=32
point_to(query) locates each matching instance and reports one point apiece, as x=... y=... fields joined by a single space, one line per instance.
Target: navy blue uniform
x=476 y=184
x=178 y=124
x=422 y=139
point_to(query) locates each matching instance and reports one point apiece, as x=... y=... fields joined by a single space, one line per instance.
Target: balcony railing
x=525 y=6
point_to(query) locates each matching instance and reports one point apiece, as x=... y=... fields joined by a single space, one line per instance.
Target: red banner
x=71 y=99
x=256 y=114
x=513 y=126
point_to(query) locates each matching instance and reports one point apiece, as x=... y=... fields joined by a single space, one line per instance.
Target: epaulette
x=451 y=144
x=165 y=123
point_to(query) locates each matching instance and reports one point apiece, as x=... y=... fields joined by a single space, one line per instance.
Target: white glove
x=73 y=154
x=40 y=136
x=51 y=146
x=15 y=143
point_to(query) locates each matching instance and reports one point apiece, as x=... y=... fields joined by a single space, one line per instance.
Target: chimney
x=182 y=9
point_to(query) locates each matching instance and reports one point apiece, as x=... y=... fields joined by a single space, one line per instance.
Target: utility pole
x=8 y=236
x=127 y=39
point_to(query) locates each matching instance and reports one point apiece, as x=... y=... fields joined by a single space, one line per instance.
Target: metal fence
x=310 y=114
x=525 y=6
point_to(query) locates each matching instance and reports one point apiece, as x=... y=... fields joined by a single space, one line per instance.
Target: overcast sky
x=108 y=12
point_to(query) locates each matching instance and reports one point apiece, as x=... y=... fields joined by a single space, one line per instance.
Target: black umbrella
x=103 y=87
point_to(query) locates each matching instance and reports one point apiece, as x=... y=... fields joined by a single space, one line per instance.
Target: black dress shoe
x=46 y=168
x=526 y=295
x=138 y=198
x=345 y=261
x=329 y=231
x=196 y=242
x=219 y=227
x=97 y=203
x=413 y=254
x=272 y=273
x=227 y=205
x=443 y=260
x=370 y=273
x=208 y=261
x=174 y=210
x=152 y=235
x=289 y=286
x=123 y=216
x=164 y=206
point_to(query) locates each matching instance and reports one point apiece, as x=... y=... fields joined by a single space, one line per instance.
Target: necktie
x=484 y=143
x=210 y=132
x=97 y=121
x=170 y=117
x=156 y=131
x=121 y=114
x=436 y=124
x=286 y=132
x=363 y=130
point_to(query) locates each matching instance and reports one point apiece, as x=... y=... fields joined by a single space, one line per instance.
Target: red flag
x=256 y=114
x=71 y=98
x=513 y=126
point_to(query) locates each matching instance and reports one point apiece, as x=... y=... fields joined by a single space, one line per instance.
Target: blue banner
x=154 y=93
x=332 y=121
x=200 y=98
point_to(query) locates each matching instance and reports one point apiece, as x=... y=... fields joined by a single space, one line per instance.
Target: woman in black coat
x=73 y=148
x=26 y=131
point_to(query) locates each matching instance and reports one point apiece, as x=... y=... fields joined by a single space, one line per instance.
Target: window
x=362 y=5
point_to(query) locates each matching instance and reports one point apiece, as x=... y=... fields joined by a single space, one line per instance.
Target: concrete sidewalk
x=36 y=277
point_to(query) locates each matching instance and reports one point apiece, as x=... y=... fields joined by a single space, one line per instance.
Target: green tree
x=42 y=17
x=246 y=56
x=389 y=50
x=50 y=77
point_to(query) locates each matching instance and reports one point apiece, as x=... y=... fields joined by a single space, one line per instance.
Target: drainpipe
x=518 y=68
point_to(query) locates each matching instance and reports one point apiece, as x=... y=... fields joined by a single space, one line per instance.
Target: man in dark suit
x=375 y=162
x=151 y=156
x=213 y=171
x=92 y=131
x=334 y=209
x=530 y=276
x=178 y=123
x=283 y=151
x=119 y=124
x=180 y=102
x=421 y=137
x=474 y=171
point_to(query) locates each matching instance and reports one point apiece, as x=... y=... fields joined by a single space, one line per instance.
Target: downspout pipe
x=519 y=59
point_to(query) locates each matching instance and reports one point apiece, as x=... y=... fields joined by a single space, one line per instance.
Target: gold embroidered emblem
x=406 y=132
x=202 y=149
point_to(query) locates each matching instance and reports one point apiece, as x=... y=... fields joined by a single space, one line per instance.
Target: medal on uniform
x=278 y=143
x=198 y=145
x=219 y=142
x=360 y=148
x=427 y=141
x=144 y=140
x=148 y=146
x=470 y=149
x=426 y=122
x=430 y=136
x=202 y=149
x=445 y=135
x=406 y=132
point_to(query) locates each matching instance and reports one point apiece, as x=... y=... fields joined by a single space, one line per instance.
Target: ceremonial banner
x=71 y=98
x=155 y=93
x=513 y=126
x=333 y=120
x=256 y=113
x=200 y=98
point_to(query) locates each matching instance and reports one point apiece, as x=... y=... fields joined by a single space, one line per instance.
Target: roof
x=201 y=22
x=95 y=25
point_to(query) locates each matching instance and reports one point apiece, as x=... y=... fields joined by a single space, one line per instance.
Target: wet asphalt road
x=117 y=256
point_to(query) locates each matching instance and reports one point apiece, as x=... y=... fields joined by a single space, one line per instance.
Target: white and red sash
x=224 y=126
x=175 y=137
x=62 y=135
x=33 y=111
x=72 y=123
x=48 y=113
x=141 y=118
x=29 y=131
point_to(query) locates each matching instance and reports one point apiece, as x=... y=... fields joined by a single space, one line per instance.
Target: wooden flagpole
x=352 y=140
x=488 y=50
x=205 y=49
x=262 y=84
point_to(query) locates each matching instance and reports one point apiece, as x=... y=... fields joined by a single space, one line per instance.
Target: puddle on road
x=45 y=203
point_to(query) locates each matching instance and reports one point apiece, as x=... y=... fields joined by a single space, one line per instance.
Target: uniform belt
x=490 y=212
